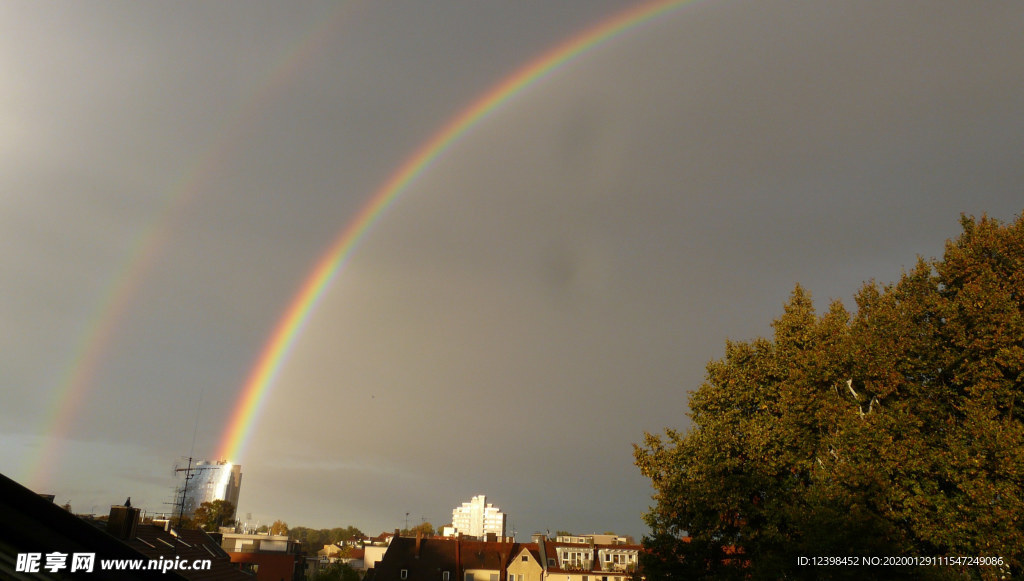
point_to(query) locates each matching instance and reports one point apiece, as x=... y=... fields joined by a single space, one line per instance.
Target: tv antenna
x=189 y=470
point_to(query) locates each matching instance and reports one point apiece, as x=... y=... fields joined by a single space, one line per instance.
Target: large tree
x=210 y=516
x=891 y=431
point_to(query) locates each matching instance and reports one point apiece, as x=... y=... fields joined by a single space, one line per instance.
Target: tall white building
x=476 y=518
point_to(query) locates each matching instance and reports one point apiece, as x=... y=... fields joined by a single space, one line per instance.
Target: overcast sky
x=550 y=289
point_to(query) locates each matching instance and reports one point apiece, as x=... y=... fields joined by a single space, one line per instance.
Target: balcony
x=577 y=565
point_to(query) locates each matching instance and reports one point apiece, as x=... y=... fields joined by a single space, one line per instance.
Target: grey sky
x=548 y=290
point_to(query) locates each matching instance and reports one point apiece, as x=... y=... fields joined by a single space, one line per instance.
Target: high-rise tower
x=211 y=481
x=476 y=518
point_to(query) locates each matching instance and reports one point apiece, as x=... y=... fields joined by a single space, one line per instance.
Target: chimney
x=458 y=557
x=419 y=541
x=123 y=522
x=543 y=555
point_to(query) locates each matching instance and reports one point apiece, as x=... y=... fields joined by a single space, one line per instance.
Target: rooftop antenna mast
x=188 y=470
x=184 y=489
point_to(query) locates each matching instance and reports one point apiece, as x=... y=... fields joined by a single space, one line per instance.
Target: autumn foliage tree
x=424 y=528
x=337 y=572
x=210 y=516
x=890 y=431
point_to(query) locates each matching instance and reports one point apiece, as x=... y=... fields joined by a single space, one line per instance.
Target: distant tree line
x=314 y=539
x=424 y=528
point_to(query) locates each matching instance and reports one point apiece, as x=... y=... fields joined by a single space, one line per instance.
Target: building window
x=403 y=574
x=524 y=558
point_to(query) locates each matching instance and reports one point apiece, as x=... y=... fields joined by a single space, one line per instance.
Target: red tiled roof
x=484 y=555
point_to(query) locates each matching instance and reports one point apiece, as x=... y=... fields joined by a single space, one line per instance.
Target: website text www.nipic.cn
x=86 y=563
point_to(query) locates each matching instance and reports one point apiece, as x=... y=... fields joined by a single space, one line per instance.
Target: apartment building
x=477 y=518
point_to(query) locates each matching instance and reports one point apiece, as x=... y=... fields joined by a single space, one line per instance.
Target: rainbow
x=276 y=351
x=94 y=341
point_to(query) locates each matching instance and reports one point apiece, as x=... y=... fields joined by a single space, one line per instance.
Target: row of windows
x=404 y=573
x=619 y=558
x=575 y=558
x=512 y=577
x=578 y=558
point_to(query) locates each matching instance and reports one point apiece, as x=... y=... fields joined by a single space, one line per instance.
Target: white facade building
x=476 y=518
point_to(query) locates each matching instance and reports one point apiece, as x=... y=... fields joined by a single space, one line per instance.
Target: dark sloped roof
x=188 y=545
x=484 y=555
x=435 y=556
x=33 y=524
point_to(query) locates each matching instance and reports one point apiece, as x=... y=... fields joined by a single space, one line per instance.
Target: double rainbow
x=275 y=353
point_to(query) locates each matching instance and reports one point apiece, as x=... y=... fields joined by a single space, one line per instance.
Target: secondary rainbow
x=274 y=354
x=115 y=303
